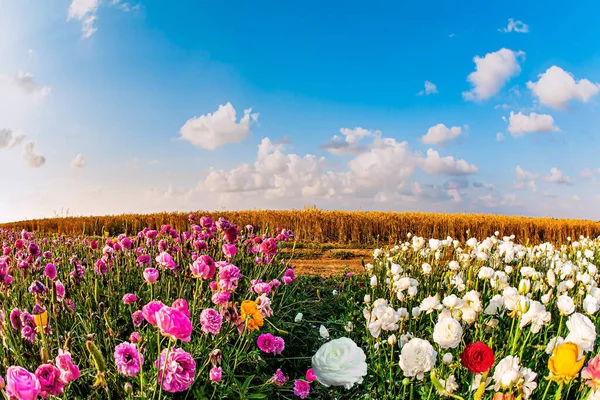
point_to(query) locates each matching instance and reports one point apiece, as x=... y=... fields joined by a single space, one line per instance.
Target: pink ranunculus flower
x=221 y=298
x=179 y=370
x=165 y=260
x=182 y=305
x=310 y=375
x=128 y=359
x=203 y=267
x=50 y=383
x=50 y=271
x=137 y=317
x=68 y=371
x=135 y=337
x=151 y=275
x=150 y=310
x=60 y=290
x=215 y=374
x=211 y=321
x=278 y=379
x=265 y=342
x=174 y=324
x=21 y=384
x=301 y=388
x=229 y=276
x=129 y=298
x=591 y=373
x=278 y=345
x=229 y=250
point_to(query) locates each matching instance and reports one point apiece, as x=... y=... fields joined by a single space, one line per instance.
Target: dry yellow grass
x=320 y=226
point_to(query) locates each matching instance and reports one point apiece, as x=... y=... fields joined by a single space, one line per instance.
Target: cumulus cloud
x=9 y=139
x=84 y=11
x=588 y=173
x=523 y=175
x=434 y=164
x=78 y=161
x=440 y=134
x=349 y=142
x=430 y=88
x=556 y=176
x=515 y=26
x=26 y=83
x=217 y=129
x=557 y=87
x=520 y=124
x=491 y=73
x=33 y=159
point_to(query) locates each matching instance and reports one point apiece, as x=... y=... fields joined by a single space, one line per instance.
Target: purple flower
x=151 y=275
x=143 y=259
x=278 y=379
x=228 y=277
x=265 y=342
x=221 y=297
x=50 y=271
x=301 y=388
x=50 y=383
x=215 y=374
x=288 y=276
x=15 y=319
x=179 y=370
x=138 y=318
x=211 y=321
x=37 y=287
x=206 y=222
x=128 y=359
x=101 y=267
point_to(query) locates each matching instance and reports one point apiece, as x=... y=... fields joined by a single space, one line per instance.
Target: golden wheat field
x=342 y=227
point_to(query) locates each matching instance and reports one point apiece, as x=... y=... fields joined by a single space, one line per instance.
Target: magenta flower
x=150 y=310
x=215 y=374
x=278 y=345
x=49 y=378
x=68 y=371
x=174 y=324
x=101 y=266
x=37 y=287
x=135 y=337
x=265 y=342
x=261 y=288
x=143 y=259
x=15 y=319
x=206 y=222
x=60 y=290
x=278 y=378
x=129 y=298
x=50 y=271
x=179 y=370
x=203 y=267
x=151 y=234
x=229 y=276
x=21 y=384
x=211 y=321
x=310 y=375
x=151 y=275
x=93 y=244
x=221 y=297
x=165 y=260
x=182 y=305
x=128 y=359
x=288 y=276
x=229 y=250
x=301 y=388
x=268 y=247
x=137 y=318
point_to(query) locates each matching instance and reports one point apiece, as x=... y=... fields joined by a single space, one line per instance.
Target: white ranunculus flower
x=373 y=281
x=591 y=305
x=340 y=362
x=416 y=311
x=434 y=244
x=453 y=265
x=453 y=302
x=367 y=298
x=447 y=359
x=552 y=343
x=447 y=333
x=323 y=332
x=582 y=332
x=298 y=317
x=426 y=268
x=485 y=273
x=536 y=315
x=565 y=304
x=506 y=373
x=429 y=304
x=472 y=242
x=417 y=357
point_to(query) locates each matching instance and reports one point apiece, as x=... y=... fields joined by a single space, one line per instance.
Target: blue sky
x=112 y=106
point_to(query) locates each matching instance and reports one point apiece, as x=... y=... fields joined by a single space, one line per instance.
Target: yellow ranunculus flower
x=41 y=320
x=251 y=314
x=564 y=364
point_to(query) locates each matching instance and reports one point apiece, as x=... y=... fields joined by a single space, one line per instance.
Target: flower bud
x=524 y=286
x=128 y=388
x=392 y=340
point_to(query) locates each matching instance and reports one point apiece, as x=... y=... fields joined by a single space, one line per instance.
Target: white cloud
x=9 y=139
x=434 y=164
x=430 y=88
x=556 y=176
x=33 y=159
x=588 y=173
x=84 y=11
x=515 y=26
x=26 y=83
x=491 y=73
x=520 y=124
x=349 y=142
x=217 y=129
x=556 y=88
x=523 y=175
x=440 y=133
x=499 y=137
x=78 y=161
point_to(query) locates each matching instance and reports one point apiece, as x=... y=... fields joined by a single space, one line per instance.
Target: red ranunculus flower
x=477 y=357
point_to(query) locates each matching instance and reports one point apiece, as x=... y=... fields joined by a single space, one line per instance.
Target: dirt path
x=330 y=261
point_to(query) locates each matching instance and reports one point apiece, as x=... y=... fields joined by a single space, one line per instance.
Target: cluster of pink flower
x=301 y=387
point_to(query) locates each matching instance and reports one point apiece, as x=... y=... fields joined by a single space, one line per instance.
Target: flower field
x=213 y=310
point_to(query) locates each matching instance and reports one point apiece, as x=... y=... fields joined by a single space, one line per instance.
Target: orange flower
x=251 y=314
x=41 y=320
x=564 y=364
